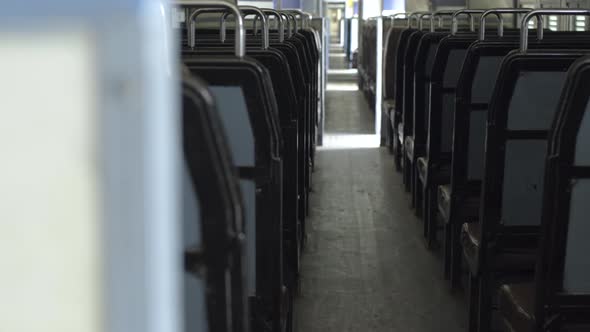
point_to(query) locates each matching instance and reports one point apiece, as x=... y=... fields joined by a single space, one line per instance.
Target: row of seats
x=489 y=131
x=250 y=100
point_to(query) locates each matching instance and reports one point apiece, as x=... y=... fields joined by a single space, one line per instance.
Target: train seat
x=561 y=285
x=392 y=42
x=516 y=305
x=209 y=177
x=246 y=96
x=399 y=97
x=408 y=108
x=473 y=95
x=445 y=73
x=523 y=106
x=423 y=66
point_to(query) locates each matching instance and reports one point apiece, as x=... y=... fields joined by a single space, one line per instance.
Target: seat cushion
x=516 y=306
x=422 y=166
x=409 y=147
x=471 y=241
x=444 y=201
x=400 y=133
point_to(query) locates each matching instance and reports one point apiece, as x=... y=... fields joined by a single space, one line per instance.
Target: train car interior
x=295 y=166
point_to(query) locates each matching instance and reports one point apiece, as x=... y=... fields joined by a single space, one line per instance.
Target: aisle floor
x=365 y=267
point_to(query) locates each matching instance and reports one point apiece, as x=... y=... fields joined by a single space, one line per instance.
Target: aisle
x=365 y=267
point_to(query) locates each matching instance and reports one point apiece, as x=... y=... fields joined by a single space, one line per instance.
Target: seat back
x=368 y=65
x=474 y=91
x=301 y=55
x=392 y=43
x=408 y=81
x=523 y=107
x=445 y=75
x=212 y=214
x=398 y=83
x=303 y=62
x=563 y=272
x=243 y=90
x=278 y=67
x=423 y=66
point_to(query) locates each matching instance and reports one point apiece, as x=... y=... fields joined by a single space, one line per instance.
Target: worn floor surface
x=365 y=267
x=339 y=61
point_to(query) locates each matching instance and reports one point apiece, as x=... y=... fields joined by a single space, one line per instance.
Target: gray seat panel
x=476 y=145
x=582 y=147
x=486 y=76
x=577 y=264
x=535 y=100
x=231 y=105
x=454 y=66
x=194 y=287
x=447 y=122
x=524 y=170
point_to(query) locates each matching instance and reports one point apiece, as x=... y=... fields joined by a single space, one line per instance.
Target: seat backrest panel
x=447 y=67
x=210 y=192
x=408 y=81
x=533 y=104
x=524 y=106
x=389 y=62
x=485 y=59
x=483 y=84
x=233 y=113
x=427 y=70
x=195 y=306
x=563 y=271
x=453 y=68
x=485 y=78
x=399 y=68
x=476 y=145
x=263 y=225
x=577 y=265
x=430 y=58
x=522 y=194
x=447 y=114
x=532 y=107
x=582 y=153
x=451 y=74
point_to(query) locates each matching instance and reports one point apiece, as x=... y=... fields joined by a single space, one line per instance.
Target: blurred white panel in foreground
x=49 y=230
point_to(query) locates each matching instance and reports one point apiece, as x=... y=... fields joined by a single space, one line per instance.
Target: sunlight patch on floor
x=342 y=87
x=350 y=141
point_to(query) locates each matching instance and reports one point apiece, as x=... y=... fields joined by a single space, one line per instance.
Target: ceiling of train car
x=481 y=4
x=529 y=3
x=418 y=5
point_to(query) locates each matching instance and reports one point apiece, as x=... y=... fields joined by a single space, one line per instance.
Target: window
x=580 y=23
